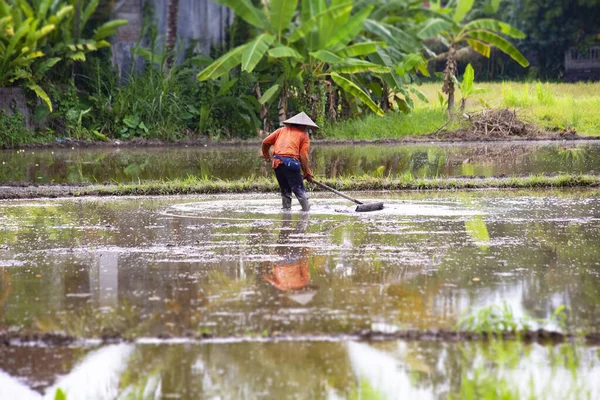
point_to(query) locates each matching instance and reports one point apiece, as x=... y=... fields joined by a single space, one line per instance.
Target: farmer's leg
x=284 y=187
x=295 y=181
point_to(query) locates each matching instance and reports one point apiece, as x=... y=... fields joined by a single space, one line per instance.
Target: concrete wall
x=127 y=36
x=13 y=100
x=198 y=20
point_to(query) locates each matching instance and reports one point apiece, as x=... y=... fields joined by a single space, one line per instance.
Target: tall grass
x=551 y=106
x=394 y=125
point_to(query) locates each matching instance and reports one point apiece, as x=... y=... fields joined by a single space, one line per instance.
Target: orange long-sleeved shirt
x=288 y=142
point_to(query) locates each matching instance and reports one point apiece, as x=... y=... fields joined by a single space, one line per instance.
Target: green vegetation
x=293 y=56
x=12 y=129
x=39 y=34
x=284 y=57
x=553 y=107
x=479 y=34
x=421 y=121
x=60 y=394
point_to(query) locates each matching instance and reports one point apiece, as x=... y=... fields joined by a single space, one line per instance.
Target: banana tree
x=37 y=34
x=22 y=61
x=314 y=45
x=397 y=22
x=480 y=34
x=68 y=41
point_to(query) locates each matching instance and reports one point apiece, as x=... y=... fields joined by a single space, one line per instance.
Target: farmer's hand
x=309 y=178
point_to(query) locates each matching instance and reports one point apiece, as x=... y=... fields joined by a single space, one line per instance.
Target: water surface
x=237 y=265
x=239 y=270
x=300 y=370
x=85 y=165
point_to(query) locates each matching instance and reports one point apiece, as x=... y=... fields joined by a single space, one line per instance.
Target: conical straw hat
x=301 y=119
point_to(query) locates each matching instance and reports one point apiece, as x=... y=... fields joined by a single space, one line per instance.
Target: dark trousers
x=291 y=181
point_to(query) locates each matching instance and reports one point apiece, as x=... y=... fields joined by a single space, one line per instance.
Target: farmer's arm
x=304 y=148
x=268 y=142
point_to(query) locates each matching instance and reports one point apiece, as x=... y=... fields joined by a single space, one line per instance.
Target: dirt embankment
x=268 y=185
x=429 y=335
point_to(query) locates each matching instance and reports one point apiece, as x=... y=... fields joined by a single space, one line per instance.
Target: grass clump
x=13 y=131
x=420 y=121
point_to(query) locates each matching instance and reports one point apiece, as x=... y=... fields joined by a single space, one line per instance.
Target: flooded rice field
x=280 y=295
x=92 y=165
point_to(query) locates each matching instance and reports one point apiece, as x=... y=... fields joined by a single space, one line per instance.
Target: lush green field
x=551 y=106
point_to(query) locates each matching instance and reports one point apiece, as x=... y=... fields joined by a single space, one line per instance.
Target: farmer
x=290 y=155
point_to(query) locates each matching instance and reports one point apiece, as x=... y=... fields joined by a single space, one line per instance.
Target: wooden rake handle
x=324 y=186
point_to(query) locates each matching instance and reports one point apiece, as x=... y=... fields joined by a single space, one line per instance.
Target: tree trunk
x=346 y=108
x=385 y=97
x=76 y=33
x=264 y=111
x=171 y=38
x=283 y=104
x=332 y=102
x=449 y=74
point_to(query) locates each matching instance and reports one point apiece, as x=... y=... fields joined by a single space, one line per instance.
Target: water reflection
x=308 y=370
x=127 y=267
x=292 y=273
x=134 y=164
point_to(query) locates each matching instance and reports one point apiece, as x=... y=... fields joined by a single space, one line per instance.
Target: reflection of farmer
x=290 y=154
x=293 y=273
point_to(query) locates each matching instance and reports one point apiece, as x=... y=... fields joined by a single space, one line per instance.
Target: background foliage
x=336 y=59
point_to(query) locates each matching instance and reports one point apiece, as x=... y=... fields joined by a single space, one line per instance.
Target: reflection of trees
x=244 y=370
x=562 y=268
x=394 y=369
x=124 y=165
x=38 y=366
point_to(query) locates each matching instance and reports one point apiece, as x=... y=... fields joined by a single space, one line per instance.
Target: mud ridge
x=152 y=188
x=541 y=336
x=434 y=335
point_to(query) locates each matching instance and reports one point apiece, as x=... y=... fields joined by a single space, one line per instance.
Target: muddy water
x=238 y=269
x=303 y=370
x=238 y=266
x=130 y=164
